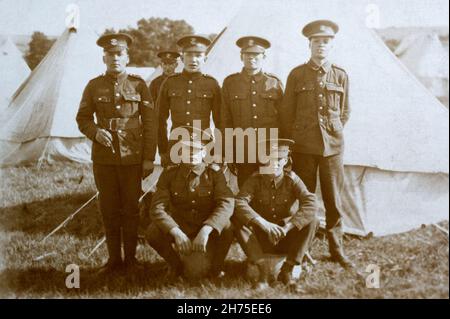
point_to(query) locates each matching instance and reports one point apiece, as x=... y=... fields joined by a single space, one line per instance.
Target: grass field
x=35 y=200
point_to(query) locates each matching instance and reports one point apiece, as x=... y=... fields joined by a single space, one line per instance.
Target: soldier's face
x=320 y=47
x=274 y=167
x=169 y=68
x=252 y=61
x=116 y=62
x=196 y=156
x=193 y=61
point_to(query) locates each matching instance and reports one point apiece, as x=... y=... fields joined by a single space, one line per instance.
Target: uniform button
x=119 y=131
x=255 y=117
x=188 y=124
x=321 y=83
x=190 y=82
x=320 y=108
x=320 y=95
x=303 y=88
x=117 y=94
x=188 y=112
x=192 y=190
x=189 y=91
x=204 y=95
x=253 y=82
x=273 y=209
x=321 y=120
x=175 y=193
x=254 y=105
x=115 y=83
x=188 y=102
x=118 y=107
x=235 y=96
x=274 y=216
x=254 y=92
x=273 y=197
x=193 y=202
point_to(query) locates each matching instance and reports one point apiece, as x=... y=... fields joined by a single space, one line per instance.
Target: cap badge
x=114 y=42
x=193 y=41
x=251 y=42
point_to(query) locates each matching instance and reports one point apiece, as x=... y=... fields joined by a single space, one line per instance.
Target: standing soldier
x=251 y=98
x=169 y=63
x=191 y=209
x=275 y=213
x=124 y=138
x=315 y=110
x=189 y=95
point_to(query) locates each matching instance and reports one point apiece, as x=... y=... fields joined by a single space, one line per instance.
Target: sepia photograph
x=224 y=150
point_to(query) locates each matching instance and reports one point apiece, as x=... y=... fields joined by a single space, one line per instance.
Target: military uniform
x=188 y=96
x=251 y=101
x=278 y=201
x=314 y=112
x=122 y=105
x=166 y=57
x=189 y=198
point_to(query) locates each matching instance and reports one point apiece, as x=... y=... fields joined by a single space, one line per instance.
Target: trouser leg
x=130 y=191
x=297 y=242
x=162 y=243
x=107 y=182
x=218 y=246
x=331 y=172
x=305 y=166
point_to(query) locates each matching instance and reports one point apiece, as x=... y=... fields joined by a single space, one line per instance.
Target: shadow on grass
x=49 y=282
x=41 y=217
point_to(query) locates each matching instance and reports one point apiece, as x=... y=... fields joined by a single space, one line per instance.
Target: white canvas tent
x=425 y=56
x=39 y=124
x=13 y=69
x=396 y=153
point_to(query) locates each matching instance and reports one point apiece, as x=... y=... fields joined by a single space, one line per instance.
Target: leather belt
x=119 y=123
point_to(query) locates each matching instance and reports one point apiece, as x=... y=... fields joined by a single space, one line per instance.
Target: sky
x=206 y=16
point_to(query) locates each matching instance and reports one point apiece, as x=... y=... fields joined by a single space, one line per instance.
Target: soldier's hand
x=104 y=137
x=201 y=240
x=182 y=242
x=147 y=168
x=165 y=160
x=274 y=231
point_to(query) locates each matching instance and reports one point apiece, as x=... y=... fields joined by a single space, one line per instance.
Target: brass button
x=117 y=94
x=188 y=102
x=117 y=107
x=192 y=190
x=320 y=95
x=255 y=117
x=188 y=124
x=188 y=113
x=189 y=91
x=193 y=202
x=254 y=105
x=190 y=82
x=254 y=92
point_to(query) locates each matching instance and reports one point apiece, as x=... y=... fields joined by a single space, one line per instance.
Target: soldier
x=124 y=138
x=275 y=213
x=189 y=95
x=251 y=98
x=169 y=63
x=191 y=209
x=314 y=112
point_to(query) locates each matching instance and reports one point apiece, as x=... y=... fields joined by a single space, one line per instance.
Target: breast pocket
x=305 y=97
x=205 y=100
x=103 y=106
x=269 y=101
x=176 y=100
x=131 y=104
x=334 y=95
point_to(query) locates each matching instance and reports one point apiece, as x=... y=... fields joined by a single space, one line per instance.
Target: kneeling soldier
x=191 y=209
x=275 y=213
